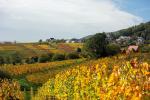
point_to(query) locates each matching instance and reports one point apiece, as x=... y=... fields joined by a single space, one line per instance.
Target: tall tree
x=96 y=45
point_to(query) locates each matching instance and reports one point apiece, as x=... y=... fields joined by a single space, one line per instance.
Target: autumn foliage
x=99 y=80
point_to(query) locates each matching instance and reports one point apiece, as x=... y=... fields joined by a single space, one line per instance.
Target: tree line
x=142 y=30
x=16 y=58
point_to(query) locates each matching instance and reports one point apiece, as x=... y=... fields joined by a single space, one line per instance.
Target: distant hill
x=86 y=37
x=141 y=30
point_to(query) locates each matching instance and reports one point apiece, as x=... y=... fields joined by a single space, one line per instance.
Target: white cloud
x=62 y=17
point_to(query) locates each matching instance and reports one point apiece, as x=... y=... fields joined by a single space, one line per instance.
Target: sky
x=31 y=20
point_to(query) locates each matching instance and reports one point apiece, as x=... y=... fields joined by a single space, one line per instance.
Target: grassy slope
x=34 y=49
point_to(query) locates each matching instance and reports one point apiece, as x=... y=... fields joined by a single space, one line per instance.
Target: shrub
x=145 y=49
x=4 y=75
x=44 y=58
x=7 y=60
x=1 y=60
x=112 y=49
x=58 y=57
x=15 y=58
x=78 y=50
x=72 y=56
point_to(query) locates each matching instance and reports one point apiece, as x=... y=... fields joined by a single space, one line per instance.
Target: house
x=140 y=40
x=132 y=48
x=109 y=37
x=50 y=40
x=73 y=41
x=123 y=40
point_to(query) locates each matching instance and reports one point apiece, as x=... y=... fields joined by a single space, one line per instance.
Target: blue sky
x=137 y=7
x=31 y=20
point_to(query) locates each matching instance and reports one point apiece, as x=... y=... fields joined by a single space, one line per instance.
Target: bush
x=4 y=75
x=15 y=58
x=44 y=58
x=72 y=56
x=58 y=57
x=1 y=60
x=112 y=49
x=7 y=60
x=78 y=50
x=84 y=55
x=31 y=60
x=145 y=49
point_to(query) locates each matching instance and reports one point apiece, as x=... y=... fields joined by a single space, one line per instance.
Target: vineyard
x=120 y=77
x=10 y=90
x=103 y=79
x=31 y=75
x=30 y=49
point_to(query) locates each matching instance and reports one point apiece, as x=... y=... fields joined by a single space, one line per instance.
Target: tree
x=72 y=56
x=44 y=58
x=112 y=49
x=58 y=57
x=7 y=60
x=4 y=75
x=40 y=41
x=78 y=50
x=95 y=46
x=15 y=58
x=1 y=60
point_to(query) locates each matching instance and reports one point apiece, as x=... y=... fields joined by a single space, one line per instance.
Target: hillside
x=34 y=49
x=104 y=79
x=141 y=30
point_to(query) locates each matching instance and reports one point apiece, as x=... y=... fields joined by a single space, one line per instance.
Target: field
x=103 y=79
x=35 y=49
x=119 y=77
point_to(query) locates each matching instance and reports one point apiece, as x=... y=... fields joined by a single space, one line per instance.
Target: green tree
x=44 y=58
x=95 y=46
x=7 y=60
x=40 y=41
x=112 y=49
x=4 y=75
x=58 y=57
x=1 y=60
x=16 y=58
x=78 y=50
x=72 y=56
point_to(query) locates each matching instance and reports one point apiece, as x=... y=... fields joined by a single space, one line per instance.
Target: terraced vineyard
x=113 y=78
x=30 y=49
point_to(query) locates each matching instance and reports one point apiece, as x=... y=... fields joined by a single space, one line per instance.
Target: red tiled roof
x=133 y=47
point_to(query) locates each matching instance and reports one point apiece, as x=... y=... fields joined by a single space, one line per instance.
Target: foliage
x=72 y=56
x=4 y=75
x=41 y=77
x=112 y=49
x=16 y=70
x=44 y=58
x=1 y=60
x=31 y=60
x=96 y=45
x=58 y=57
x=141 y=30
x=10 y=90
x=40 y=41
x=15 y=58
x=78 y=50
x=145 y=49
x=99 y=81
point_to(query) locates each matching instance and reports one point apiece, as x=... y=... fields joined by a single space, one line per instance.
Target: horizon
x=31 y=20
